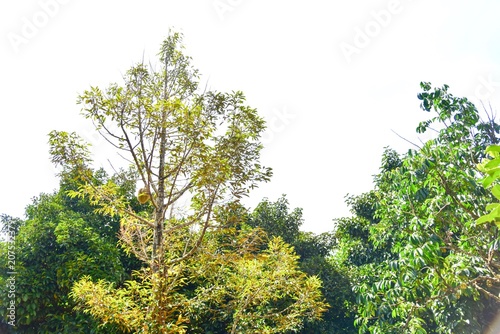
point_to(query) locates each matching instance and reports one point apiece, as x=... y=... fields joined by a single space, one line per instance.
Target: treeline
x=165 y=246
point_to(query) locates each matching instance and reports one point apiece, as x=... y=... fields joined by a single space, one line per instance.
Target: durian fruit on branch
x=143 y=195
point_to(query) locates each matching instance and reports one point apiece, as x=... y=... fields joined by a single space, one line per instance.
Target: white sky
x=329 y=115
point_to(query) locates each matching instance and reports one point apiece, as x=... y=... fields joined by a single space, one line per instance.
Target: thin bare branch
x=405 y=139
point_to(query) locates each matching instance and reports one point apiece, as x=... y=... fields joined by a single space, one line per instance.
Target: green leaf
x=485 y=219
x=493 y=148
x=492 y=164
x=492 y=206
x=496 y=191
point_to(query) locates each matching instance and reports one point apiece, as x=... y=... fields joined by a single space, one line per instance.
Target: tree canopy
x=193 y=154
x=420 y=261
x=165 y=245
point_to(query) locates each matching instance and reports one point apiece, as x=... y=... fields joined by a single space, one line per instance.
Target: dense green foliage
x=64 y=241
x=60 y=241
x=491 y=169
x=419 y=261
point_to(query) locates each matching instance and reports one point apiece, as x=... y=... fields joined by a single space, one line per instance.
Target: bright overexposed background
x=333 y=79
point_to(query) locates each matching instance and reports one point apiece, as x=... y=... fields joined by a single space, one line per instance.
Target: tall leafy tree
x=195 y=154
x=439 y=273
x=186 y=147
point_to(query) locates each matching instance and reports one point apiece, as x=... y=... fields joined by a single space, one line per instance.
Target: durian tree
x=193 y=152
